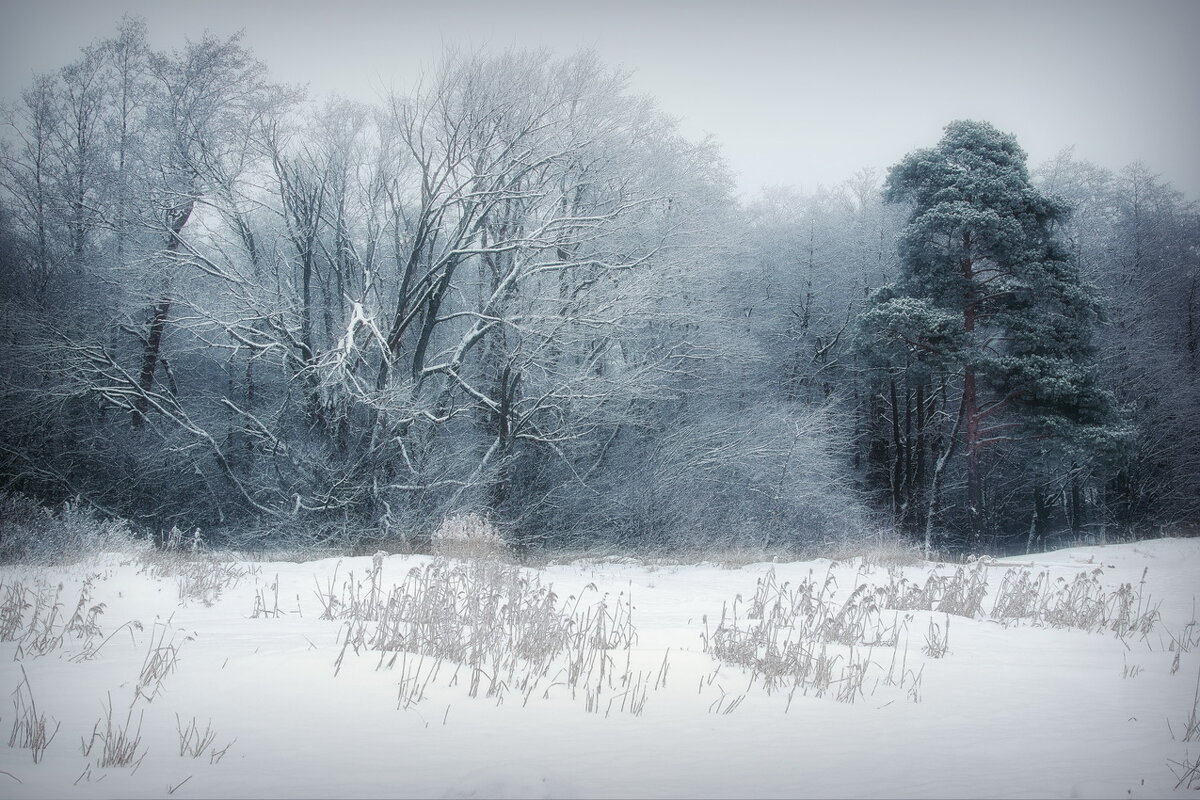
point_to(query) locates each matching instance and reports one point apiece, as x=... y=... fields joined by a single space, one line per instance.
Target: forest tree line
x=519 y=291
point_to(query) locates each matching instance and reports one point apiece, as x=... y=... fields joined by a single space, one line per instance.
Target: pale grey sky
x=796 y=93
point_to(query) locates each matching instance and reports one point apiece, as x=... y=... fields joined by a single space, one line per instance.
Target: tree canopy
x=989 y=295
x=519 y=291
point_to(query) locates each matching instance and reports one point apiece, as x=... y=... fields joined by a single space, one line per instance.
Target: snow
x=1022 y=709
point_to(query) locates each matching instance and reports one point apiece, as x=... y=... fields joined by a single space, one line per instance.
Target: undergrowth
x=30 y=533
x=802 y=638
x=33 y=617
x=200 y=574
x=491 y=626
x=1082 y=603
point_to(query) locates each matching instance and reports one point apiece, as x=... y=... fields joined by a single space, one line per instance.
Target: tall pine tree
x=988 y=298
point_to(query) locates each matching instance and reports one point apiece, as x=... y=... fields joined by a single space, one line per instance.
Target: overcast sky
x=797 y=93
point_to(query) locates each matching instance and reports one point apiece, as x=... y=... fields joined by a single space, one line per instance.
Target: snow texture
x=300 y=706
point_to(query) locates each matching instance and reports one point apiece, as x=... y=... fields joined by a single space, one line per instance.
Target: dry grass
x=726 y=703
x=205 y=580
x=1191 y=725
x=960 y=593
x=872 y=548
x=200 y=576
x=30 y=729
x=120 y=743
x=493 y=627
x=33 y=617
x=469 y=536
x=41 y=630
x=33 y=534
x=794 y=638
x=162 y=658
x=1187 y=771
x=803 y=638
x=1081 y=602
x=12 y=611
x=83 y=622
x=194 y=743
x=937 y=639
x=1187 y=640
x=878 y=551
x=268 y=605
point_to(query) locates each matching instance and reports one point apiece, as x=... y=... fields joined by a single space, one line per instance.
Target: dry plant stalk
x=46 y=629
x=469 y=536
x=42 y=634
x=82 y=623
x=201 y=576
x=1081 y=602
x=788 y=631
x=161 y=659
x=937 y=641
x=1191 y=726
x=500 y=628
x=1188 y=772
x=960 y=594
x=784 y=634
x=29 y=727
x=261 y=609
x=192 y=742
x=12 y=611
x=120 y=742
x=205 y=580
x=215 y=755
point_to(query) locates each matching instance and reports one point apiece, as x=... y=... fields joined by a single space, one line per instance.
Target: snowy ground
x=611 y=685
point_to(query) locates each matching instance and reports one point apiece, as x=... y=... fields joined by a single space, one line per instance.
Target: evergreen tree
x=988 y=298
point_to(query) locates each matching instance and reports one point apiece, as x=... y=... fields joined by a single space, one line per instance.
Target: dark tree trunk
x=919 y=468
x=1077 y=504
x=974 y=468
x=1039 y=525
x=971 y=409
x=897 y=478
x=177 y=217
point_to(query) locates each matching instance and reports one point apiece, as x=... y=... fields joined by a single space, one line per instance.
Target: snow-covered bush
x=469 y=536
x=32 y=533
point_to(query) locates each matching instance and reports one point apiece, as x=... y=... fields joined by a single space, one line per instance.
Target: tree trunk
x=970 y=410
x=919 y=469
x=974 y=470
x=1039 y=522
x=1077 y=505
x=897 y=480
x=177 y=217
x=936 y=480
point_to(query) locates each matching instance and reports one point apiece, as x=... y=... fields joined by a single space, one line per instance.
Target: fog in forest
x=665 y=279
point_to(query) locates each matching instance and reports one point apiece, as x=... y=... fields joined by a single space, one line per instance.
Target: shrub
x=469 y=536
x=32 y=533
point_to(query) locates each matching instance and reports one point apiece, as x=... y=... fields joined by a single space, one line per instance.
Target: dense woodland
x=519 y=291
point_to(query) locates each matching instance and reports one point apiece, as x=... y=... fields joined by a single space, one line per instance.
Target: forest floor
x=1067 y=674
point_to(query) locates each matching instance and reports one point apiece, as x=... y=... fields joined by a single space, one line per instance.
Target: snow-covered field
x=1074 y=675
